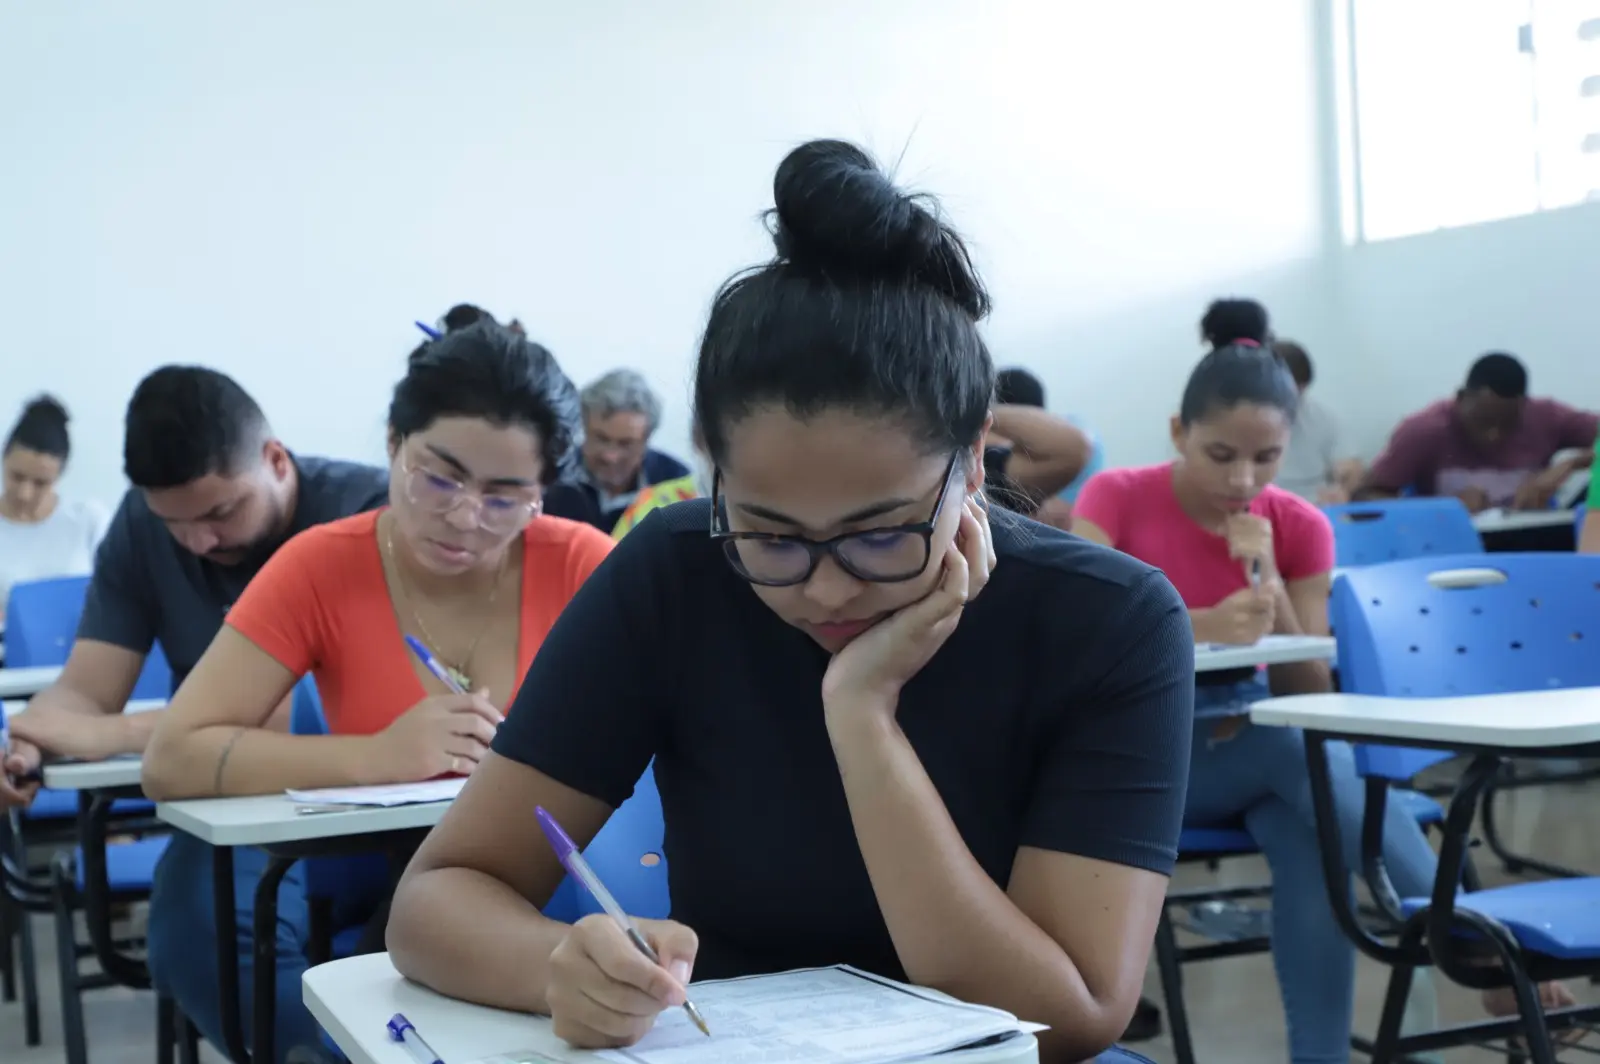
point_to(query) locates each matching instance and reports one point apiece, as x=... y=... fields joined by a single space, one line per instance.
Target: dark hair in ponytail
x=871 y=303
x=1228 y=320
x=42 y=428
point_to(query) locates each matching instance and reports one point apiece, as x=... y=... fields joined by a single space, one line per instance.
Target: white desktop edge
x=1568 y=717
x=366 y=991
x=93 y=775
x=1287 y=651
x=271 y=818
x=25 y=683
x=1501 y=520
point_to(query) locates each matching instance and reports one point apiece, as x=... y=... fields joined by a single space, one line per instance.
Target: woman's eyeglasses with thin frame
x=435 y=492
x=889 y=555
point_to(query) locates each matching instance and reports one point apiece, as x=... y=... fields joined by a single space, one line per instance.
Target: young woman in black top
x=886 y=732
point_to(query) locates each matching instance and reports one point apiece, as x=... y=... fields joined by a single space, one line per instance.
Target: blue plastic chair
x=1465 y=625
x=1368 y=533
x=41 y=625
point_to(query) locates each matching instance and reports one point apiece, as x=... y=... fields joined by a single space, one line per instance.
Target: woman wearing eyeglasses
x=886 y=732
x=461 y=560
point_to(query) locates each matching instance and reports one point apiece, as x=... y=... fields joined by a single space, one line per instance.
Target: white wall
x=1421 y=309
x=279 y=190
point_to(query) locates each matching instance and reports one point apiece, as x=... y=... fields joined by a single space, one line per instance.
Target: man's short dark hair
x=1018 y=387
x=186 y=422
x=1499 y=373
x=1294 y=356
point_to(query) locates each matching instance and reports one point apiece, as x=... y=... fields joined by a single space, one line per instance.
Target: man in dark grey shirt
x=214 y=494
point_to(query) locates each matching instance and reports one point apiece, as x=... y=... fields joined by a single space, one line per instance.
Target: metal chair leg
x=1171 y=970
x=64 y=888
x=28 y=963
x=166 y=1030
x=9 y=915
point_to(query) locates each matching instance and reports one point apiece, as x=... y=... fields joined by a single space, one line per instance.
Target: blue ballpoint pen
x=432 y=664
x=401 y=1030
x=433 y=334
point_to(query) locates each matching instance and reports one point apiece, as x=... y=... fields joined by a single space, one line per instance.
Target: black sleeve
x=589 y=713
x=120 y=606
x=1113 y=782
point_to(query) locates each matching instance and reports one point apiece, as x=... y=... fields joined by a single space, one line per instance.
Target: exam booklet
x=385 y=795
x=834 y=1015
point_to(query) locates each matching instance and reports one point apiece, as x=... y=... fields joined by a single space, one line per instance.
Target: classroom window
x=1463 y=111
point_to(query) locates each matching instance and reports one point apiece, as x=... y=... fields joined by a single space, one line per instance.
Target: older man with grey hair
x=620 y=413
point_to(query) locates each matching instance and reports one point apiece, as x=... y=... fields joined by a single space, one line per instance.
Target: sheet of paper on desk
x=815 y=1016
x=390 y=794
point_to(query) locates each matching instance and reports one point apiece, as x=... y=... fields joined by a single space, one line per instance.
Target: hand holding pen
x=612 y=975
x=442 y=735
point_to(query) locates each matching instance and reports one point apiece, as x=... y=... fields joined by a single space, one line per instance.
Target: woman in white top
x=42 y=535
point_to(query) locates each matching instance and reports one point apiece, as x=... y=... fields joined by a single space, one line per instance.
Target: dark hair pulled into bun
x=871 y=304
x=42 y=427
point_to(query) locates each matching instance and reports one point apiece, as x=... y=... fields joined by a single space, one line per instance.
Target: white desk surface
x=271 y=818
x=1523 y=719
x=1500 y=520
x=1273 y=650
x=354 y=998
x=25 y=683
x=93 y=775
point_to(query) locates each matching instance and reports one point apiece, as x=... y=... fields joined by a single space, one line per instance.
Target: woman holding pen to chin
x=890 y=727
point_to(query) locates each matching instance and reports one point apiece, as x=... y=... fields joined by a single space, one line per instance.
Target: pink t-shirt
x=1138 y=509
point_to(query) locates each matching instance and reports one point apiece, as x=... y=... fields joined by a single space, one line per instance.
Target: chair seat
x=130 y=866
x=1202 y=842
x=1119 y=1055
x=1559 y=918
x=1423 y=809
x=63 y=805
x=344 y=943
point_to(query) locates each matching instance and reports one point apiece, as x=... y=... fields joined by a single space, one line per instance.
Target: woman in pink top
x=1210 y=520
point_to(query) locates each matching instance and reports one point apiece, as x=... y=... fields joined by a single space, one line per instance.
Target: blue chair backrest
x=1505 y=622
x=42 y=622
x=354 y=885
x=1367 y=533
x=628 y=857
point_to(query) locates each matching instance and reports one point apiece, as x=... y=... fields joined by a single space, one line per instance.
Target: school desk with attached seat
x=1490 y=667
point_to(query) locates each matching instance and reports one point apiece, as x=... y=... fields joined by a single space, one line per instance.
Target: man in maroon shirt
x=1491 y=445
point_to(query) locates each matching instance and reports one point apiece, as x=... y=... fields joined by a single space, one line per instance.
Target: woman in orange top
x=460 y=559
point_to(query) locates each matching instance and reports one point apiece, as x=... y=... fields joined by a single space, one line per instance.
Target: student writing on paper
x=214 y=494
x=1208 y=519
x=460 y=559
x=890 y=726
x=1492 y=444
x=42 y=535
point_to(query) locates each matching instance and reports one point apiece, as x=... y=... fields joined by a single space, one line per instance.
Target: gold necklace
x=459 y=675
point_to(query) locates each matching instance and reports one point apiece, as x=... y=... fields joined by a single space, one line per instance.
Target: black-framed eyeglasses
x=876 y=555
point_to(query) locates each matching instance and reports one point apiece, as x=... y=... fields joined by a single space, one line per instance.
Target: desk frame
x=261 y=1046
x=1429 y=937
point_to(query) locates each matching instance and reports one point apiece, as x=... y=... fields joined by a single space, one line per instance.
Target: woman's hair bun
x=46 y=409
x=1230 y=320
x=837 y=212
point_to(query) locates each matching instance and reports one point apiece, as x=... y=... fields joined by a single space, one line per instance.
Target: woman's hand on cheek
x=867 y=675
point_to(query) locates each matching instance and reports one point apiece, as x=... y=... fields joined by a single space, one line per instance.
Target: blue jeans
x=183 y=940
x=1259 y=775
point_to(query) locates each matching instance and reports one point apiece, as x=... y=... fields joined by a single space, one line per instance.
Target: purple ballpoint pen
x=578 y=868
